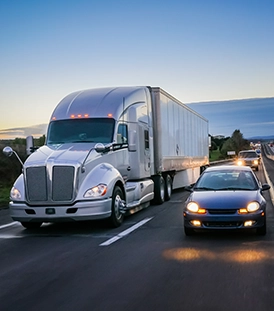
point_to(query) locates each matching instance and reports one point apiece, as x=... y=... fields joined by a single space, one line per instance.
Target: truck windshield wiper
x=83 y=141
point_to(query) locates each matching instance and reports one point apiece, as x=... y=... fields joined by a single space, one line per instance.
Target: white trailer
x=110 y=152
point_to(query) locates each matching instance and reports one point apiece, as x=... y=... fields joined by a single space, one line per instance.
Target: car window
x=248 y=154
x=227 y=180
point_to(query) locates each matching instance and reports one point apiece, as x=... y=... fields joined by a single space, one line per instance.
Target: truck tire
x=159 y=190
x=31 y=225
x=117 y=216
x=168 y=187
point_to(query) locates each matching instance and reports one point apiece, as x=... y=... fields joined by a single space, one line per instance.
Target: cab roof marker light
x=72 y=116
x=109 y=115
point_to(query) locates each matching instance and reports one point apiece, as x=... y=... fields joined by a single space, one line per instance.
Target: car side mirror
x=265 y=187
x=189 y=188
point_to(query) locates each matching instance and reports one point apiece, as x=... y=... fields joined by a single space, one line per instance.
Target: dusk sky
x=198 y=51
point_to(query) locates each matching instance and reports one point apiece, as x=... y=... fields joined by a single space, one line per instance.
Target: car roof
x=229 y=168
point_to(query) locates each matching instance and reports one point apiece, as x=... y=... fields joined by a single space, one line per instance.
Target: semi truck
x=110 y=152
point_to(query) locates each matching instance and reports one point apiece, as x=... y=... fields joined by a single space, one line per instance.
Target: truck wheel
x=168 y=187
x=117 y=216
x=31 y=225
x=159 y=190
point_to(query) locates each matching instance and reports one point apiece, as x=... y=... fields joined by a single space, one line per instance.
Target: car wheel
x=188 y=231
x=117 y=216
x=168 y=187
x=31 y=225
x=261 y=230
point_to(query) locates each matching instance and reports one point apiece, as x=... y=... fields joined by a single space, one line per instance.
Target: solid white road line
x=126 y=232
x=10 y=224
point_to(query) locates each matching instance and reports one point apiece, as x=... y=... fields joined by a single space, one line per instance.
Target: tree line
x=10 y=168
x=234 y=143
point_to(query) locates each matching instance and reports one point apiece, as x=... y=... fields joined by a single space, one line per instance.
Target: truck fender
x=19 y=184
x=103 y=173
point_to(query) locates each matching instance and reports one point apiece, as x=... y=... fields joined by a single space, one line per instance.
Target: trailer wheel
x=168 y=187
x=117 y=216
x=159 y=190
x=31 y=225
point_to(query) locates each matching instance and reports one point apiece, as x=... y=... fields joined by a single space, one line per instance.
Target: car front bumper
x=226 y=222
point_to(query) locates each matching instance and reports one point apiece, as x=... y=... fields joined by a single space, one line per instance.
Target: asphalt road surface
x=146 y=264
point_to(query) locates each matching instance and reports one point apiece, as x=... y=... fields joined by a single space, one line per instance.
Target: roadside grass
x=214 y=155
x=4 y=195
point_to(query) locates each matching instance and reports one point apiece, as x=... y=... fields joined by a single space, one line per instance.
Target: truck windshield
x=98 y=130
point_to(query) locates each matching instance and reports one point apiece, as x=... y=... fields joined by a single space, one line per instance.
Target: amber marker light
x=86 y=115
x=109 y=115
x=72 y=116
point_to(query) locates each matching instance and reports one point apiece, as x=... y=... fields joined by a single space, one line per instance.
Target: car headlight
x=253 y=207
x=15 y=194
x=96 y=191
x=193 y=207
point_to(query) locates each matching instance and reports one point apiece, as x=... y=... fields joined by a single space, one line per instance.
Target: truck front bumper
x=83 y=210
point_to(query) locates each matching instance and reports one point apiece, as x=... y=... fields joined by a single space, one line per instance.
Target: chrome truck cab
x=96 y=162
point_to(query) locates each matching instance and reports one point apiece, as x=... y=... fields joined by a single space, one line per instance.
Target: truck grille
x=38 y=184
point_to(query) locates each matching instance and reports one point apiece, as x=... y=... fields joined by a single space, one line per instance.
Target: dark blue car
x=226 y=197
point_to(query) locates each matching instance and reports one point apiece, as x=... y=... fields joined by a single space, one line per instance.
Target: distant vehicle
x=226 y=197
x=110 y=152
x=249 y=158
x=259 y=153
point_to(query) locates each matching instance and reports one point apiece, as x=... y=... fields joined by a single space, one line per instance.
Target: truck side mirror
x=8 y=151
x=132 y=138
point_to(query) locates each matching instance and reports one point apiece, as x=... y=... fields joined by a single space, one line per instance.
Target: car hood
x=224 y=199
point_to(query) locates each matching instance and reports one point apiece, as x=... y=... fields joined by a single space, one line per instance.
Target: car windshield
x=226 y=180
x=99 y=130
x=248 y=155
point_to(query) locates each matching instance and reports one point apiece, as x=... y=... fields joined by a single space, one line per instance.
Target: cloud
x=22 y=132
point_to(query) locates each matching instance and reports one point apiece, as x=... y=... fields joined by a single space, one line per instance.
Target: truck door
x=147 y=150
x=121 y=150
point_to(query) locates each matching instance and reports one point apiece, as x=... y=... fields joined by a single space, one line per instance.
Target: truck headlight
x=15 y=194
x=239 y=162
x=256 y=162
x=96 y=191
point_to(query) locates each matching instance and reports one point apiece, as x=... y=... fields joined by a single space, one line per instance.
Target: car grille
x=40 y=189
x=221 y=224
